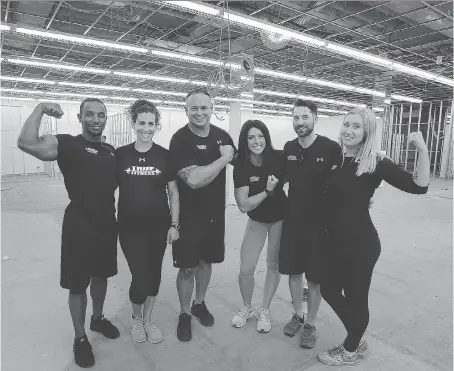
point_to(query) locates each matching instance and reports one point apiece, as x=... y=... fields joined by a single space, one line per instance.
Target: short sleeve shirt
x=89 y=171
x=272 y=209
x=142 y=179
x=306 y=170
x=186 y=149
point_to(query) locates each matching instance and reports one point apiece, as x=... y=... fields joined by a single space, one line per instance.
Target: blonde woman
x=354 y=247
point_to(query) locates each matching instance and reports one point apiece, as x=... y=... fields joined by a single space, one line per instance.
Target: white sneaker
x=239 y=320
x=363 y=348
x=154 y=334
x=338 y=356
x=137 y=330
x=263 y=320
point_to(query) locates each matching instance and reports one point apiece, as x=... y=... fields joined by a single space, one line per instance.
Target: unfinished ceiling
x=415 y=33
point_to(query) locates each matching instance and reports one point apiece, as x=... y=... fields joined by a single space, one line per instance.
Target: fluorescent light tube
x=80 y=40
x=58 y=66
x=94 y=86
x=198 y=7
x=150 y=77
x=26 y=79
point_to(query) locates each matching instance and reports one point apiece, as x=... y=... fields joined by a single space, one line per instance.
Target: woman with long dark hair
x=258 y=191
x=354 y=246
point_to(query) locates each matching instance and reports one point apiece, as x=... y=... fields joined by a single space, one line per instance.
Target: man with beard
x=308 y=159
x=89 y=233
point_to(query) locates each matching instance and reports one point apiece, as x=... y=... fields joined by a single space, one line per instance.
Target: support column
x=239 y=113
x=384 y=128
x=237 y=117
x=448 y=143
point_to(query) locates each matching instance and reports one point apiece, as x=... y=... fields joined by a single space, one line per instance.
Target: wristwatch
x=176 y=226
x=268 y=192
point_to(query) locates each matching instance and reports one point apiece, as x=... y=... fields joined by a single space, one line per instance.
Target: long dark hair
x=243 y=149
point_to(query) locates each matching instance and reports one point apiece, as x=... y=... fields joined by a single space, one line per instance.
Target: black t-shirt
x=306 y=170
x=142 y=178
x=348 y=198
x=186 y=149
x=272 y=209
x=89 y=171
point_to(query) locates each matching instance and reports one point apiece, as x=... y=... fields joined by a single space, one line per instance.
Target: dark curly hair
x=243 y=149
x=142 y=106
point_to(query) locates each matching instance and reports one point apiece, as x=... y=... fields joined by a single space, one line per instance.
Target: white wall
x=14 y=113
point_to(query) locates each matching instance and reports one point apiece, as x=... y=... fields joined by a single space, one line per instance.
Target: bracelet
x=175 y=225
x=268 y=192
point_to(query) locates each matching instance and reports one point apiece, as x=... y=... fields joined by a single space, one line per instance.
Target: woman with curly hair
x=147 y=187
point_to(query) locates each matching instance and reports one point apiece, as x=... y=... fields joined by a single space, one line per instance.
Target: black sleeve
x=397 y=177
x=278 y=163
x=64 y=150
x=240 y=178
x=170 y=173
x=283 y=164
x=181 y=153
x=235 y=151
x=336 y=152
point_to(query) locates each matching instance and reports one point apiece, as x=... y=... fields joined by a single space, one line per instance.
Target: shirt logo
x=142 y=170
x=219 y=142
x=141 y=159
x=334 y=167
x=202 y=146
x=292 y=158
x=112 y=154
x=320 y=159
x=91 y=150
x=254 y=179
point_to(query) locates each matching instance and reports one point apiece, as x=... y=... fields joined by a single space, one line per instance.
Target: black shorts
x=88 y=248
x=199 y=240
x=301 y=250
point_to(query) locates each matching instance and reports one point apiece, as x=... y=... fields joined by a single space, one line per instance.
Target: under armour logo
x=219 y=142
x=141 y=159
x=319 y=159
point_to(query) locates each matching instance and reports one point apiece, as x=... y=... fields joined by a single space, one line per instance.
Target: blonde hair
x=367 y=156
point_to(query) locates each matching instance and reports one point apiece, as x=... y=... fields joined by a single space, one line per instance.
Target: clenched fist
x=51 y=109
x=272 y=183
x=417 y=139
x=227 y=152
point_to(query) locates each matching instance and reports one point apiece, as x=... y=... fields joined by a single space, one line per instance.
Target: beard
x=304 y=130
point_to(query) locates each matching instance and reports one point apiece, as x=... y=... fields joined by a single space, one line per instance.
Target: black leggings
x=352 y=273
x=144 y=247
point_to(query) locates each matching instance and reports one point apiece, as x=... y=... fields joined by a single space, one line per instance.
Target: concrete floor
x=410 y=301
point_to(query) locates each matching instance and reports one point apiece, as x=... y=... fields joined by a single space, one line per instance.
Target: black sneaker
x=201 y=312
x=184 y=332
x=83 y=355
x=105 y=327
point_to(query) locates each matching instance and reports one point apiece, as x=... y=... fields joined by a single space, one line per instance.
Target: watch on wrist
x=268 y=192
x=176 y=226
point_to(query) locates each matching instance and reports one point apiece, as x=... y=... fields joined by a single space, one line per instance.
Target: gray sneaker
x=363 y=348
x=292 y=327
x=308 y=337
